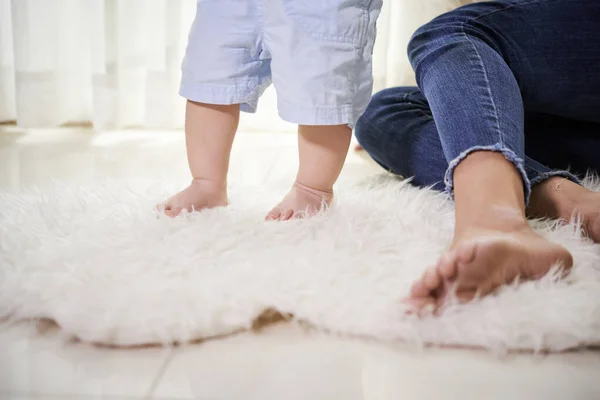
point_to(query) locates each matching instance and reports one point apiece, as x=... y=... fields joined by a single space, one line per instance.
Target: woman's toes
x=447 y=265
x=432 y=279
x=418 y=289
x=464 y=296
x=426 y=284
x=465 y=253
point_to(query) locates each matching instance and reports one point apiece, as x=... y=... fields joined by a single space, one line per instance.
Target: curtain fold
x=116 y=63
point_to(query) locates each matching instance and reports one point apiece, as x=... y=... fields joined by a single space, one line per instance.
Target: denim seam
x=487 y=85
x=508 y=8
x=496 y=148
x=483 y=16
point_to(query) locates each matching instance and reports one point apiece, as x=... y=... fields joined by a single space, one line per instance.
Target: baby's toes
x=273 y=215
x=172 y=211
x=419 y=305
x=287 y=214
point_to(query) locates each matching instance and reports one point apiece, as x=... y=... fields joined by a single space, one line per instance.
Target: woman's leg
x=564 y=143
x=399 y=133
x=462 y=62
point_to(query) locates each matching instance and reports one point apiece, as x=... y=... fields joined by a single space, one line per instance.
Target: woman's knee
x=395 y=118
x=430 y=39
x=447 y=31
x=373 y=126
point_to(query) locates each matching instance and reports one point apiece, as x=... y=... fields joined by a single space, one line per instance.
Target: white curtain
x=116 y=63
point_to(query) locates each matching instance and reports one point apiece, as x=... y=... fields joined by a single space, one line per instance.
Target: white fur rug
x=107 y=269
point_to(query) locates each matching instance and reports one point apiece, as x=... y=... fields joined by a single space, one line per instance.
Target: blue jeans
x=519 y=77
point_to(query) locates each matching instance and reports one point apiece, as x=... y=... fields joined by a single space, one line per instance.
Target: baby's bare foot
x=300 y=202
x=482 y=260
x=200 y=194
x=561 y=198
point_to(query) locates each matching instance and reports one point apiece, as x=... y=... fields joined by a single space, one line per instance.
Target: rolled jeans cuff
x=497 y=148
x=551 y=174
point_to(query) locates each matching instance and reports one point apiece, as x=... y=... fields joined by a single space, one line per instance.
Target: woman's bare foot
x=559 y=198
x=199 y=195
x=300 y=202
x=481 y=260
x=493 y=242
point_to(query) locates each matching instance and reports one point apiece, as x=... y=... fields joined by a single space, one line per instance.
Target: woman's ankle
x=489 y=193
x=486 y=180
x=555 y=198
x=488 y=175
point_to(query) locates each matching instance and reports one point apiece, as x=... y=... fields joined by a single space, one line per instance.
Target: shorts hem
x=210 y=93
x=335 y=115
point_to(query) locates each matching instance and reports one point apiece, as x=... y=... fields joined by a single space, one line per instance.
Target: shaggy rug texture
x=107 y=268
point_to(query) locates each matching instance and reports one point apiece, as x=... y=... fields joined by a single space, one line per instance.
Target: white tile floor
x=284 y=361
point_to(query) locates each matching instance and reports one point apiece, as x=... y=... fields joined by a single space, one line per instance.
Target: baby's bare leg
x=322 y=151
x=209 y=133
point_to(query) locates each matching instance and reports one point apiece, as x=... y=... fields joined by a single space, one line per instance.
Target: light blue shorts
x=317 y=53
